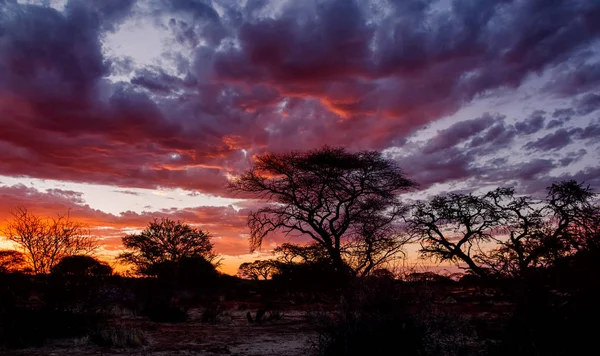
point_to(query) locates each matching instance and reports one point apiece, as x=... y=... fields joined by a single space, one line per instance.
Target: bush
x=376 y=317
x=27 y=321
x=22 y=327
x=211 y=313
x=81 y=265
x=275 y=315
x=119 y=336
x=166 y=313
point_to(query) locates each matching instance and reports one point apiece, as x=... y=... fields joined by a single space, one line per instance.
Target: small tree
x=81 y=265
x=257 y=270
x=45 y=241
x=329 y=195
x=11 y=260
x=165 y=241
x=185 y=272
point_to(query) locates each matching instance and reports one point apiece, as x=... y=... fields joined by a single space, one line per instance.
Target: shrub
x=23 y=327
x=374 y=318
x=166 y=313
x=27 y=321
x=212 y=312
x=274 y=315
x=119 y=336
x=81 y=265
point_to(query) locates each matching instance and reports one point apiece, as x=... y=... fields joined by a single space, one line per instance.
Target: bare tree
x=325 y=194
x=257 y=270
x=503 y=234
x=45 y=241
x=166 y=241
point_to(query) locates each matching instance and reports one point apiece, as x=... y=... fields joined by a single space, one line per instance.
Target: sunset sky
x=124 y=110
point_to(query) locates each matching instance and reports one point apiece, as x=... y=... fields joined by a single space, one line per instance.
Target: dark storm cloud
x=532 y=124
x=591 y=132
x=552 y=141
x=476 y=150
x=588 y=104
x=589 y=176
x=572 y=157
x=292 y=76
x=554 y=124
x=457 y=133
x=533 y=169
x=432 y=62
x=580 y=79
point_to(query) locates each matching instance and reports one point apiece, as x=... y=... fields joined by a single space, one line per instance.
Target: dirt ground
x=231 y=335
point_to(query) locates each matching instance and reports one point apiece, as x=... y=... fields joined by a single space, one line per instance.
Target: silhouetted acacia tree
x=504 y=234
x=45 y=241
x=346 y=202
x=11 y=260
x=81 y=265
x=290 y=253
x=257 y=270
x=165 y=241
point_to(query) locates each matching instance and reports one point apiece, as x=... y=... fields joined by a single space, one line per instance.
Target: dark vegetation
x=530 y=283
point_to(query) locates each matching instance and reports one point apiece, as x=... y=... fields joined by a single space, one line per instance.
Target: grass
x=119 y=336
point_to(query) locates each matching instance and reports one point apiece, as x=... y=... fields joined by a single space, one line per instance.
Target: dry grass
x=120 y=336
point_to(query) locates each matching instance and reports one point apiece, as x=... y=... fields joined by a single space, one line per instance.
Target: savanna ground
x=231 y=335
x=287 y=329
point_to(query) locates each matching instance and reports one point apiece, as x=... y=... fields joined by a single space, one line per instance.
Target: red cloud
x=338 y=73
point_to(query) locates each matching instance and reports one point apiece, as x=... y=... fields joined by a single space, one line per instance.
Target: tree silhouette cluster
x=45 y=241
x=500 y=233
x=345 y=202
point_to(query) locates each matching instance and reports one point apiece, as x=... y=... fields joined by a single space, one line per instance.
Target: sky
x=121 y=111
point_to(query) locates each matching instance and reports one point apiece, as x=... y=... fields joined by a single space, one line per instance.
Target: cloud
x=458 y=133
x=532 y=124
x=553 y=141
x=589 y=103
x=237 y=79
x=226 y=224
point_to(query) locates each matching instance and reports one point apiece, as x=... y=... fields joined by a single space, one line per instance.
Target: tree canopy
x=11 y=260
x=81 y=265
x=347 y=202
x=258 y=270
x=165 y=241
x=504 y=234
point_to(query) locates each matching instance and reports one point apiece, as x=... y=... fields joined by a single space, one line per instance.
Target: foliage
x=187 y=272
x=290 y=253
x=45 y=241
x=346 y=202
x=212 y=312
x=378 y=316
x=11 y=260
x=81 y=265
x=59 y=311
x=525 y=234
x=164 y=241
x=259 y=269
